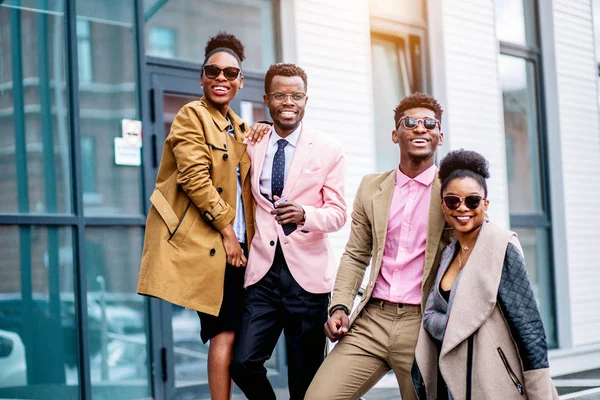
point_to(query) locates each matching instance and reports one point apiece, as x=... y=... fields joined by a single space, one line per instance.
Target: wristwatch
x=339 y=307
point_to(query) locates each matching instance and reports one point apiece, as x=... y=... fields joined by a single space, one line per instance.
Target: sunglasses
x=230 y=73
x=280 y=97
x=453 y=202
x=412 y=122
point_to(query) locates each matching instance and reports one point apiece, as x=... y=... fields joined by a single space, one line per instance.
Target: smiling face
x=465 y=220
x=287 y=114
x=418 y=144
x=220 y=91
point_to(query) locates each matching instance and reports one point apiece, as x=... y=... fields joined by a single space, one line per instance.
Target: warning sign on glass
x=131 y=132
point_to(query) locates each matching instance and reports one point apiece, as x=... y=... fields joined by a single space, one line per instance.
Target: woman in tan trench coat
x=202 y=218
x=482 y=335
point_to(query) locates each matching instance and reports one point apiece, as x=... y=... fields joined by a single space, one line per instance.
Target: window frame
x=543 y=219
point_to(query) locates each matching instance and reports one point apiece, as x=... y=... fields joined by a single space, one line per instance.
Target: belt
x=388 y=305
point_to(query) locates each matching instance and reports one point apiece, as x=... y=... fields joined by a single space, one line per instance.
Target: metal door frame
x=181 y=77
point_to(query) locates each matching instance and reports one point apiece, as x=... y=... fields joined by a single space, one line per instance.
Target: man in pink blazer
x=298 y=186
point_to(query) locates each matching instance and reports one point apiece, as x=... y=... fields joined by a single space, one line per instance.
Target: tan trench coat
x=184 y=259
x=475 y=313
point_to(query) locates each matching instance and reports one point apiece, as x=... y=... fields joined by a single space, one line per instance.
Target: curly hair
x=283 y=69
x=464 y=164
x=417 y=100
x=224 y=42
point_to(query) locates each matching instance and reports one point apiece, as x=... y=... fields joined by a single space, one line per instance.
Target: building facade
x=516 y=78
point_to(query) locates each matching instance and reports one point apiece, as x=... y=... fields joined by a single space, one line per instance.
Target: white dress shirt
x=239 y=223
x=267 y=170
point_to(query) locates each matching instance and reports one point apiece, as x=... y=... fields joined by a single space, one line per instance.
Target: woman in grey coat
x=482 y=335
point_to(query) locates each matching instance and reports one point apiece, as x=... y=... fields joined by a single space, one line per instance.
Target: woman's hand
x=256 y=132
x=235 y=254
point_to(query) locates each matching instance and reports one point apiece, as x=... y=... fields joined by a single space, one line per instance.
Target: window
x=396 y=66
x=161 y=42
x=84 y=51
x=520 y=71
x=252 y=21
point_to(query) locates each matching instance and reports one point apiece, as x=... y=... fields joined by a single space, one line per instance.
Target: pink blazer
x=316 y=182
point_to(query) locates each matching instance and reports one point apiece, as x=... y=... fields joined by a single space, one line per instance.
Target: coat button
x=272 y=243
x=220 y=190
x=212 y=252
x=225 y=157
x=225 y=146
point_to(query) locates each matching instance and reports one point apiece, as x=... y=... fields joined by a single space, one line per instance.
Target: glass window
x=37 y=308
x=252 y=21
x=398 y=10
x=535 y=247
x=117 y=324
x=517 y=78
x=514 y=22
x=84 y=51
x=34 y=146
x=396 y=74
x=105 y=102
x=161 y=42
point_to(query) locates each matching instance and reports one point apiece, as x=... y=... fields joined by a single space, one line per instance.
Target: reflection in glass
x=34 y=145
x=535 y=247
x=517 y=78
x=250 y=20
x=251 y=111
x=118 y=355
x=515 y=22
x=392 y=79
x=37 y=308
x=107 y=95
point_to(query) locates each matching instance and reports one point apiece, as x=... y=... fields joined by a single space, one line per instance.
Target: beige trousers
x=382 y=338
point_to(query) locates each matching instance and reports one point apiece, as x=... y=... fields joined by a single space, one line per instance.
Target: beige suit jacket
x=368 y=236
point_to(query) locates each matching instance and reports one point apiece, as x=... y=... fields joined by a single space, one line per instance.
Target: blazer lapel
x=381 y=209
x=301 y=155
x=258 y=162
x=435 y=228
x=477 y=290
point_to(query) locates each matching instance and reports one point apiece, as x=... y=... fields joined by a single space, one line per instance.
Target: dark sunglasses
x=412 y=122
x=453 y=202
x=230 y=73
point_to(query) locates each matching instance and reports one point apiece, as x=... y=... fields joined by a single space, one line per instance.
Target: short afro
x=418 y=100
x=227 y=43
x=283 y=69
x=464 y=164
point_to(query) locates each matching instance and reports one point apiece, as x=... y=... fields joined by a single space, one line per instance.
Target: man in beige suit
x=398 y=227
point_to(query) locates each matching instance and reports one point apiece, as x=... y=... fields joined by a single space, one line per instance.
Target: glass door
x=184 y=356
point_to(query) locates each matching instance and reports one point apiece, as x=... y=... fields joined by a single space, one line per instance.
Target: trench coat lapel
x=477 y=290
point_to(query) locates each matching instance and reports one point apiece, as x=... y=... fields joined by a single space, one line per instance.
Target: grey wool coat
x=494 y=346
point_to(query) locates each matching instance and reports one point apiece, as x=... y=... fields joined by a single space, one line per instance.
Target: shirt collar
x=292 y=139
x=425 y=178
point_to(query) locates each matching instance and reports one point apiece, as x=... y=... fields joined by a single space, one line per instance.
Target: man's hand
x=235 y=254
x=336 y=326
x=288 y=213
x=256 y=132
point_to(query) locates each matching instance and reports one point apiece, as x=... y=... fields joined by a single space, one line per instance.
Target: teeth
x=220 y=89
x=419 y=141
x=287 y=114
x=463 y=219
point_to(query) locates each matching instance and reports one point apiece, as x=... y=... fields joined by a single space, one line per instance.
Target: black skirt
x=230 y=313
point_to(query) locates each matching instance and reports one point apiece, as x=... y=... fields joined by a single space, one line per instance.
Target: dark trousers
x=277 y=302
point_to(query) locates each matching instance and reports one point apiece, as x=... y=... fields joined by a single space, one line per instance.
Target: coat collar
x=477 y=292
x=220 y=120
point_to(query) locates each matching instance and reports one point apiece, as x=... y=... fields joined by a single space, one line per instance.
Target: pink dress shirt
x=401 y=273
